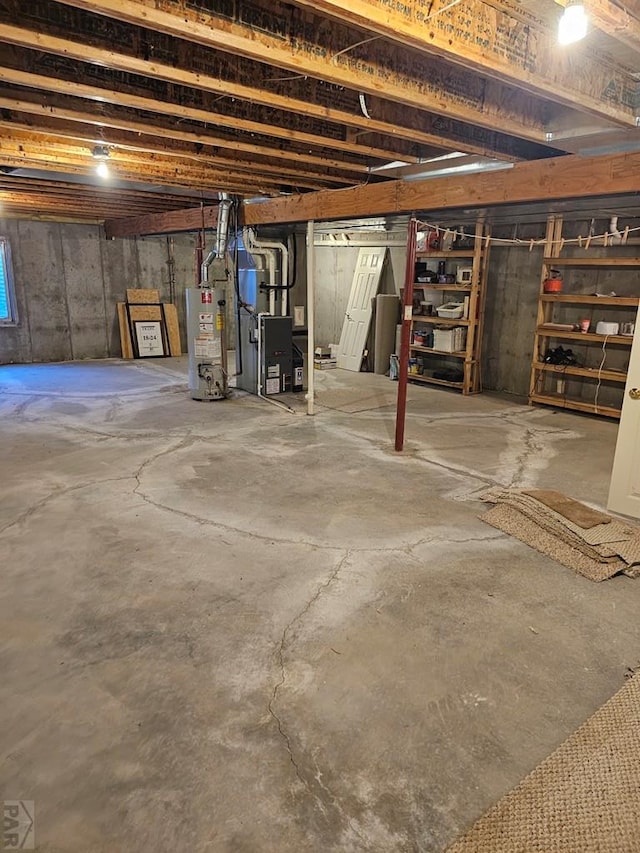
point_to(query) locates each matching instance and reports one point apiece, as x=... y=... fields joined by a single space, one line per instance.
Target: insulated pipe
x=311 y=319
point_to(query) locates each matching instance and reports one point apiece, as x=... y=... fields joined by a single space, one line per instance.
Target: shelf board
x=441 y=321
x=592 y=262
x=561 y=370
x=562 y=402
x=586 y=337
x=583 y=299
x=432 y=381
x=435 y=286
x=438 y=351
x=450 y=253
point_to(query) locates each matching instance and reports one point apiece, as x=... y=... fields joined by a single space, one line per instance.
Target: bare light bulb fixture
x=101 y=154
x=573 y=23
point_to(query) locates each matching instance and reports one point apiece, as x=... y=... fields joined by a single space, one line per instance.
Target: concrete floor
x=230 y=628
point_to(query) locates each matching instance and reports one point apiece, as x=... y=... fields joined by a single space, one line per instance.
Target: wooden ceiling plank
x=493 y=41
x=232 y=167
x=464 y=101
x=52 y=217
x=34 y=40
x=137 y=102
x=412 y=134
x=62 y=188
x=359 y=122
x=393 y=121
x=29 y=145
x=125 y=142
x=115 y=208
x=176 y=177
x=541 y=180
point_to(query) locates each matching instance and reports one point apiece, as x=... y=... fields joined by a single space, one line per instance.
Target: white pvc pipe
x=270 y=246
x=311 y=318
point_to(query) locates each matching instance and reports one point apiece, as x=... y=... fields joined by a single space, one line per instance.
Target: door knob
x=634 y=393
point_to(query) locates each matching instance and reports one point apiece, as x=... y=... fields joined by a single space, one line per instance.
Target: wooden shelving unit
x=544 y=374
x=435 y=359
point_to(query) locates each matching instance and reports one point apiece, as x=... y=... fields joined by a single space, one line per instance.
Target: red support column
x=407 y=310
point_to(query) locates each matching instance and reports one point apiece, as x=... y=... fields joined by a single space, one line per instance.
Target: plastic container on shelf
x=449 y=339
x=451 y=310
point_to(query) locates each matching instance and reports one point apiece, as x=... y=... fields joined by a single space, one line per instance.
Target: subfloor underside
x=226 y=627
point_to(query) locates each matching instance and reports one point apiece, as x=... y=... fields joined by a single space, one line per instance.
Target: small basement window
x=8 y=312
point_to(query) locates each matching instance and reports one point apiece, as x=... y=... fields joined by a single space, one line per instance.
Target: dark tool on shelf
x=560 y=355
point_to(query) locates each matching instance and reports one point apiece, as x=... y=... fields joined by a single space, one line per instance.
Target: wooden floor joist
x=32 y=39
x=489 y=40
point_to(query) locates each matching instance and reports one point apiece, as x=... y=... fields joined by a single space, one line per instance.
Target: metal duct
x=222 y=234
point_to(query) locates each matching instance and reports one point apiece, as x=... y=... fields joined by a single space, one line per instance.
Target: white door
x=357 y=319
x=624 y=493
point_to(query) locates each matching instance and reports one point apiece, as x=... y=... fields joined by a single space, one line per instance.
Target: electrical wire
x=604 y=357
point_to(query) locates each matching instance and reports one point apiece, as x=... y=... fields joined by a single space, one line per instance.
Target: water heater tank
x=207 y=343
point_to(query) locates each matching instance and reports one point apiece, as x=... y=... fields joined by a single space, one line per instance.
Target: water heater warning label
x=206 y=346
x=205 y=323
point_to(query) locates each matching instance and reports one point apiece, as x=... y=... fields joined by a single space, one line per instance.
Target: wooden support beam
x=494 y=41
x=29 y=38
x=176 y=111
x=414 y=81
x=544 y=180
x=61 y=122
x=169 y=222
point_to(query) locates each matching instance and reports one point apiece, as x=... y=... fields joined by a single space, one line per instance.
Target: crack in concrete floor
x=289 y=646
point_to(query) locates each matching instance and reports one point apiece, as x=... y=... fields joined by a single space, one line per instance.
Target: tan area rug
x=584 y=798
x=588 y=541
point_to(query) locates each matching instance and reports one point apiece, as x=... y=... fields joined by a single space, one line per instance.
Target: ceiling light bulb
x=102 y=170
x=573 y=23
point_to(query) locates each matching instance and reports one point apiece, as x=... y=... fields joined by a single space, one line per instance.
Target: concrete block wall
x=68 y=279
x=510 y=318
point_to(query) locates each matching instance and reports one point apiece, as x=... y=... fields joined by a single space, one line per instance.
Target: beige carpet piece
x=512 y=521
x=584 y=798
x=550 y=521
x=575 y=511
x=612 y=541
x=630 y=550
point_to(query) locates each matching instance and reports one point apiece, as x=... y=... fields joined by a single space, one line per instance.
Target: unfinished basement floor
x=230 y=628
